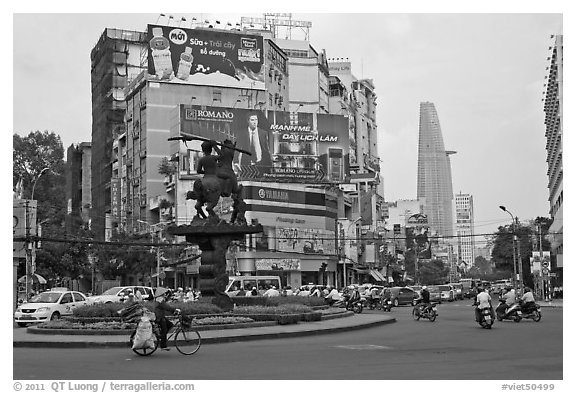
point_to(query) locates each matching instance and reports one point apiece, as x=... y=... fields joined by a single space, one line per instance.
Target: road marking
x=364 y=347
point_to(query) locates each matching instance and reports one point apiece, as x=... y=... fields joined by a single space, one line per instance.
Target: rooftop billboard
x=205 y=57
x=284 y=146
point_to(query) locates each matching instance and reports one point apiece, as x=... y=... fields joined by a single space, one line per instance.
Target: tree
x=122 y=260
x=433 y=272
x=483 y=265
x=30 y=156
x=526 y=234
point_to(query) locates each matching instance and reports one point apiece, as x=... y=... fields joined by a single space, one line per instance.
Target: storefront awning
x=377 y=275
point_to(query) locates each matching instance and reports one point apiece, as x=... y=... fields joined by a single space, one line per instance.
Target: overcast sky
x=485 y=73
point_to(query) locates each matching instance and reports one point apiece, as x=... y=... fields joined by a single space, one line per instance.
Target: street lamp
x=36 y=180
x=514 y=240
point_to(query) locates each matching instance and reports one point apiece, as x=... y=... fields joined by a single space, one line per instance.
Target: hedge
x=277 y=300
x=101 y=310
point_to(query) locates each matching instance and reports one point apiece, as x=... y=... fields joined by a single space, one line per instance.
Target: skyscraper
x=553 y=110
x=465 y=229
x=434 y=173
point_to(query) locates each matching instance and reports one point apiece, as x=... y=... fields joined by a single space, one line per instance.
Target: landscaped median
x=104 y=319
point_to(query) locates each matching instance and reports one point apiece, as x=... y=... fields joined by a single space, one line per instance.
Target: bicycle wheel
x=187 y=342
x=145 y=351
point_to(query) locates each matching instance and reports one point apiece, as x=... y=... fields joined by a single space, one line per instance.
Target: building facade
x=302 y=220
x=553 y=110
x=465 y=246
x=116 y=60
x=78 y=184
x=434 y=172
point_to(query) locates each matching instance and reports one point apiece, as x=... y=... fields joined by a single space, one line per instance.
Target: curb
x=206 y=340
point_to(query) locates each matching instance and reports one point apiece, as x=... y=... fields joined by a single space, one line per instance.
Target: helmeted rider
x=353 y=295
x=424 y=298
x=527 y=302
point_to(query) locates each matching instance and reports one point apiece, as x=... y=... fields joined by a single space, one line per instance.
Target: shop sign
x=278 y=264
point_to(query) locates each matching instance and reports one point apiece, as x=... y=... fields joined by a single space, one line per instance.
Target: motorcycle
x=385 y=305
x=372 y=303
x=531 y=311
x=357 y=306
x=430 y=313
x=511 y=314
x=486 y=320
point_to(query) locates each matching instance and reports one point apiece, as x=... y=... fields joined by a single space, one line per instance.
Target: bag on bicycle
x=144 y=338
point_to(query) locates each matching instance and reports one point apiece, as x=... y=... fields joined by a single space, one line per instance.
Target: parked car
x=49 y=305
x=459 y=290
x=447 y=292
x=403 y=295
x=119 y=294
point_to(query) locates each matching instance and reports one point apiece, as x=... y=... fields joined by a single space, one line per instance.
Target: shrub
x=221 y=320
x=278 y=300
x=101 y=310
x=282 y=309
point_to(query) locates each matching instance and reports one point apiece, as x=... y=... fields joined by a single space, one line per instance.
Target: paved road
x=452 y=348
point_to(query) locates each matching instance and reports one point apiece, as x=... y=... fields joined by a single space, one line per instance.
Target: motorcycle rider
x=353 y=295
x=424 y=299
x=483 y=300
x=527 y=302
x=509 y=296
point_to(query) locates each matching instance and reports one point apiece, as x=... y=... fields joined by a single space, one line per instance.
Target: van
x=262 y=283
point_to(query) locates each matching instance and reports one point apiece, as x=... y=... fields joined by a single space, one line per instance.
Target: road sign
x=162 y=275
x=545 y=264
x=545 y=271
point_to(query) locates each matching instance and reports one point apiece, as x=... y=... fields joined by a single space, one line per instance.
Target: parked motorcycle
x=430 y=313
x=512 y=313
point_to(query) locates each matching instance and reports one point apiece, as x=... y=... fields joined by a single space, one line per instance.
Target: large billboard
x=417 y=236
x=205 y=57
x=284 y=146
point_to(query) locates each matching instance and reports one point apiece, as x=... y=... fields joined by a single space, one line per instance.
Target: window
x=67 y=298
x=78 y=297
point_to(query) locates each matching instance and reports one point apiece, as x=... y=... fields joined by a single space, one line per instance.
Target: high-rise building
x=78 y=184
x=553 y=103
x=465 y=230
x=116 y=60
x=434 y=172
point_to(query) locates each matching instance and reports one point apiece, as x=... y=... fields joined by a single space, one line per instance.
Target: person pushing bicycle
x=162 y=309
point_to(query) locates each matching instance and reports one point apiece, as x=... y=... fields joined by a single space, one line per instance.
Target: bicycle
x=187 y=340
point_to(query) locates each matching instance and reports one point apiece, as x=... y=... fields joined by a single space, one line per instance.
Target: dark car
x=403 y=295
x=435 y=294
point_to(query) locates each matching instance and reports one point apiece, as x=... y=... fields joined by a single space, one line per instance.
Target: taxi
x=48 y=306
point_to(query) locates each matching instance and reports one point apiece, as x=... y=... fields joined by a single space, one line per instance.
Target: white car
x=49 y=305
x=447 y=292
x=119 y=294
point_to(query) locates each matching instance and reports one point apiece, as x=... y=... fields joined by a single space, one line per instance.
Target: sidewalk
x=555 y=303
x=22 y=338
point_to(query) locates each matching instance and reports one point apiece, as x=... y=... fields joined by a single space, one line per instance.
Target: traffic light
x=396 y=229
x=323 y=266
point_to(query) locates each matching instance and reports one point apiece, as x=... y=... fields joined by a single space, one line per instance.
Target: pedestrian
x=272 y=292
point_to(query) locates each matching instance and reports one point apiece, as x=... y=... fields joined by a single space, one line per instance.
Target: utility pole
x=519 y=260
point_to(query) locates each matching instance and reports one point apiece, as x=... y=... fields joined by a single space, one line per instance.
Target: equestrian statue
x=219 y=179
